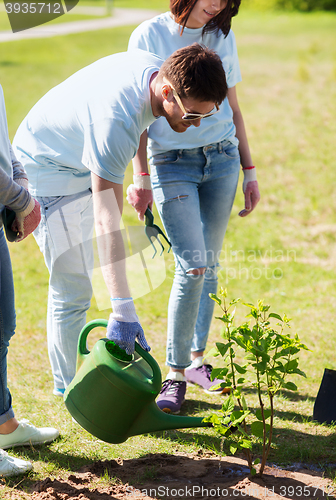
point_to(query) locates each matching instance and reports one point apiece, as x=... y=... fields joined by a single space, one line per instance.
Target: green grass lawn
x=284 y=253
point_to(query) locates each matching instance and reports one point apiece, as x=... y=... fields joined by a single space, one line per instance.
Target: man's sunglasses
x=186 y=115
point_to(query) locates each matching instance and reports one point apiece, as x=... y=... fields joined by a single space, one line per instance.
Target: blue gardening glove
x=124 y=326
x=124 y=334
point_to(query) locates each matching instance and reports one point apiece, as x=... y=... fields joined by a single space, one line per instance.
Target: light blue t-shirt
x=5 y=161
x=161 y=36
x=91 y=122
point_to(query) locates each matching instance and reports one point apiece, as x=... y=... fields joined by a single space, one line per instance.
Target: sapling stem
x=271 y=397
x=226 y=309
x=261 y=403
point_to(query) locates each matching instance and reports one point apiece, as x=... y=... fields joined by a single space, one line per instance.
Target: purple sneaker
x=202 y=376
x=171 y=396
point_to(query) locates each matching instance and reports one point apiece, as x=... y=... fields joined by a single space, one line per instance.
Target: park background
x=283 y=253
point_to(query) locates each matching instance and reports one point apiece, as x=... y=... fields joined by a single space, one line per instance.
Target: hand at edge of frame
x=252 y=198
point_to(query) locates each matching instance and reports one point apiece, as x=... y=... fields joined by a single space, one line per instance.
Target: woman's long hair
x=181 y=10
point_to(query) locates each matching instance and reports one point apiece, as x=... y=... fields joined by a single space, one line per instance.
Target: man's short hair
x=196 y=72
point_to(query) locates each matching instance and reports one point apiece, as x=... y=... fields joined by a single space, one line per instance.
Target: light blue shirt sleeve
x=11 y=194
x=108 y=148
x=5 y=159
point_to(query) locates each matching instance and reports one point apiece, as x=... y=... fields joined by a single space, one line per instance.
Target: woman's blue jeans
x=7 y=326
x=194 y=190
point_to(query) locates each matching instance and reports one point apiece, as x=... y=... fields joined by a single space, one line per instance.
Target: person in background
x=75 y=145
x=14 y=195
x=194 y=180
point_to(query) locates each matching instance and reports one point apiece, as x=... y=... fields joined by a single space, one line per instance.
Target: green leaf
x=267 y=414
x=214 y=419
x=274 y=315
x=238 y=416
x=265 y=357
x=221 y=429
x=231 y=315
x=214 y=297
x=250 y=357
x=261 y=367
x=241 y=341
x=219 y=373
x=256 y=461
x=223 y=318
x=246 y=443
x=299 y=372
x=291 y=365
x=253 y=471
x=283 y=353
x=244 y=404
x=257 y=429
x=228 y=405
x=213 y=352
x=220 y=385
x=294 y=350
x=233 y=448
x=223 y=348
x=240 y=369
x=251 y=306
x=253 y=314
x=290 y=386
x=237 y=393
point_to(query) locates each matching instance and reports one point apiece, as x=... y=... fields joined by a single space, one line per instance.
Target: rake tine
x=152 y=231
x=155 y=251
x=164 y=236
x=150 y=239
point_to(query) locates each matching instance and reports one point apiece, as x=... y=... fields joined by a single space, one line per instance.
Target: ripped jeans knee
x=198 y=271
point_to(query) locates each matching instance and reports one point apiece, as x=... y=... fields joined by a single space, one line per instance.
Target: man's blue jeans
x=7 y=326
x=194 y=190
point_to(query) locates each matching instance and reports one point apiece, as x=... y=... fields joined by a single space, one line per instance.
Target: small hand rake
x=153 y=231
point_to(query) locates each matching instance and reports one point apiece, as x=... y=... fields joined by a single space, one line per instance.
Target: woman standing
x=194 y=179
x=14 y=195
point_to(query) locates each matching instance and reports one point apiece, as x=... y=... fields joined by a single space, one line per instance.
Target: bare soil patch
x=183 y=476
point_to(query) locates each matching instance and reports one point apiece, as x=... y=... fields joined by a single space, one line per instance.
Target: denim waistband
x=219 y=146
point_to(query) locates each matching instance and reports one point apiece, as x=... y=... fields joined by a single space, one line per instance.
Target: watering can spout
x=152 y=419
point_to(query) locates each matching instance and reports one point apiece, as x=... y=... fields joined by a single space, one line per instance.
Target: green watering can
x=114 y=398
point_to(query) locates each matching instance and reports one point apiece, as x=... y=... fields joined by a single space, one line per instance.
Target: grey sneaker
x=171 y=396
x=12 y=466
x=27 y=434
x=202 y=376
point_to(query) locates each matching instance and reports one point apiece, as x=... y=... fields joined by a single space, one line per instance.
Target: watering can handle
x=151 y=361
x=83 y=350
